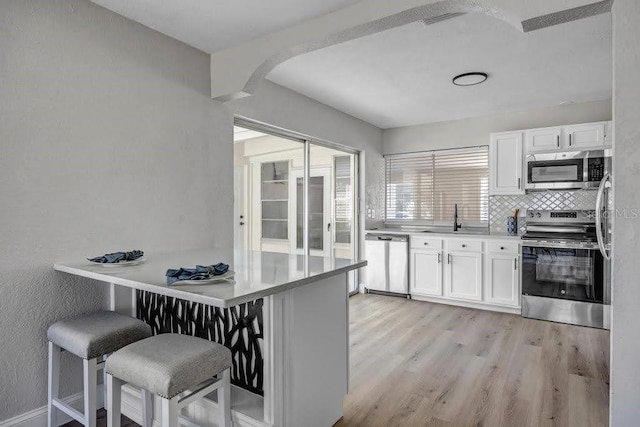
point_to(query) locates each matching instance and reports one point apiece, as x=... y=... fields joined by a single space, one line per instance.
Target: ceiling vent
x=440 y=18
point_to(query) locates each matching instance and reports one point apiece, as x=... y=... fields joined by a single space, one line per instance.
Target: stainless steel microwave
x=567 y=170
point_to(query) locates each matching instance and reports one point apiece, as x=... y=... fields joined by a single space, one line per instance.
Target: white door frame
x=240 y=207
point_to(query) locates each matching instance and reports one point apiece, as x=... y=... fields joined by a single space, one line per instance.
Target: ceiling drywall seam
x=567 y=15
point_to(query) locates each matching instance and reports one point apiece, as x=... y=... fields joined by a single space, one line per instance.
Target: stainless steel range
x=565 y=277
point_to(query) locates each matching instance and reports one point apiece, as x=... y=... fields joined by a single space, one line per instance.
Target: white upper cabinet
x=546 y=139
x=505 y=163
x=586 y=136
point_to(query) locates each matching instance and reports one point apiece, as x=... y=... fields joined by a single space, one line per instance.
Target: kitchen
x=154 y=179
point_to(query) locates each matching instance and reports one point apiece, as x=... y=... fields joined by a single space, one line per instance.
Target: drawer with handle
x=425 y=243
x=503 y=247
x=464 y=245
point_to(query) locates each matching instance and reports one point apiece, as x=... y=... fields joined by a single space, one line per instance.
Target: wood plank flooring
x=421 y=364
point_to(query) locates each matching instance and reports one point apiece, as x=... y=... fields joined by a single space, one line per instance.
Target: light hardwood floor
x=421 y=364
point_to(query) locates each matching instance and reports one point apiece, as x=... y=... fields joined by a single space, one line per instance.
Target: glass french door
x=320 y=220
x=269 y=194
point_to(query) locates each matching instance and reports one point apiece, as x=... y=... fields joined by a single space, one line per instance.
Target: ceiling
x=214 y=25
x=402 y=76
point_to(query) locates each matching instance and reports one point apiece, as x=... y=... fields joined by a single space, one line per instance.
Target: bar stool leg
x=89 y=369
x=147 y=408
x=224 y=400
x=114 y=397
x=54 y=381
x=104 y=384
x=170 y=412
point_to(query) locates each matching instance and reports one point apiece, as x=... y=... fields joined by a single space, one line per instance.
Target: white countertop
x=257 y=274
x=457 y=234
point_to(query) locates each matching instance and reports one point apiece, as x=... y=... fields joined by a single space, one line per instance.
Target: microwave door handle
x=599 y=200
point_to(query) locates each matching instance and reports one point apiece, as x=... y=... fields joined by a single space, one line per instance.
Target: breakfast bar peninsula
x=284 y=317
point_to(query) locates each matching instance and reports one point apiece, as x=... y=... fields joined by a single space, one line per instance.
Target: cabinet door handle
x=515 y=263
x=558 y=140
x=519 y=180
x=464 y=246
x=502 y=248
x=439 y=260
x=448 y=258
x=425 y=243
x=569 y=140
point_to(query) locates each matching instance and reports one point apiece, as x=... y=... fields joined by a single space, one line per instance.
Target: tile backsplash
x=500 y=207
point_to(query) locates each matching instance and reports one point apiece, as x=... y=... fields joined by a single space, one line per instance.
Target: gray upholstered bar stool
x=168 y=365
x=91 y=337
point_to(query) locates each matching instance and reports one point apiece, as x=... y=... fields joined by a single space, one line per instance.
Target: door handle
x=329 y=227
x=448 y=258
x=241 y=223
x=515 y=263
x=439 y=258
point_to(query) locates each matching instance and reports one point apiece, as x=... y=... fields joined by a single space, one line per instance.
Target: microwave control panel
x=595 y=168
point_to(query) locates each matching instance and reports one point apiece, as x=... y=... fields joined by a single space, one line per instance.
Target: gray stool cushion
x=92 y=335
x=168 y=364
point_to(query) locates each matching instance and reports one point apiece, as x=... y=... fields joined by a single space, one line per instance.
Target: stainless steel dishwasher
x=388 y=268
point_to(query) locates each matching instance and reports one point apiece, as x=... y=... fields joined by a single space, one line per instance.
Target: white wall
x=625 y=330
x=108 y=141
x=476 y=130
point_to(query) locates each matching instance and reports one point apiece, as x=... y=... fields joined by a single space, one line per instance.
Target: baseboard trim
x=38 y=417
x=469 y=304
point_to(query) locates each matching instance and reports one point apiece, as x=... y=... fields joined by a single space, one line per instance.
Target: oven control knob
x=538 y=215
x=530 y=214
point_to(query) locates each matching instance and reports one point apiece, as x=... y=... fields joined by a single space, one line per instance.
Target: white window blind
x=422 y=188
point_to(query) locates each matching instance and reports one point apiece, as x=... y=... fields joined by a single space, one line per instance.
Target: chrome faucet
x=456 y=226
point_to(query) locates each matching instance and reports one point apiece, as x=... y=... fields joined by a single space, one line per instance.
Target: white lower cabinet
x=474 y=272
x=464 y=276
x=426 y=272
x=502 y=284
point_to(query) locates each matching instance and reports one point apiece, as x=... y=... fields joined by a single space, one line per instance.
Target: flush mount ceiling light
x=470 y=79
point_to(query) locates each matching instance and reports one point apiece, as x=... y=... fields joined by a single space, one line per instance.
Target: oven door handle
x=555 y=229
x=559 y=245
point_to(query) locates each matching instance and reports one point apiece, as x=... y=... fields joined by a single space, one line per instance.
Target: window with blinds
x=422 y=188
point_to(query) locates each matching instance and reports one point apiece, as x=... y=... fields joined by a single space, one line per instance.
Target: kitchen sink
x=462 y=231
